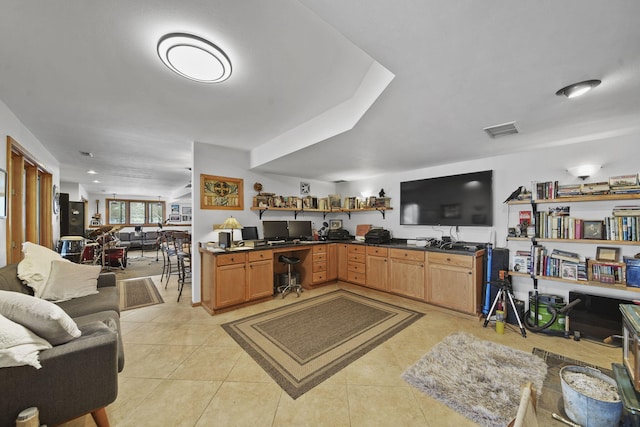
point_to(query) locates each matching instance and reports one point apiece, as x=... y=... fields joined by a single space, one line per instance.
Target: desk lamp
x=232 y=224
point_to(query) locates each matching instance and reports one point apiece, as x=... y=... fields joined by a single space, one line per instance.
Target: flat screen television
x=300 y=230
x=275 y=230
x=460 y=200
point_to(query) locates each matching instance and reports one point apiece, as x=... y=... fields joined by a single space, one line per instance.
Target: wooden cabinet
x=319 y=264
x=455 y=281
x=259 y=274
x=407 y=273
x=332 y=261
x=343 y=261
x=356 y=264
x=377 y=268
x=230 y=280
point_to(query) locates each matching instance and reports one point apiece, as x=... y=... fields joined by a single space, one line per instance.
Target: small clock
x=305 y=188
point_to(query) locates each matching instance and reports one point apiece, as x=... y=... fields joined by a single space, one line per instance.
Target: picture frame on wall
x=175 y=209
x=220 y=192
x=174 y=218
x=186 y=218
x=335 y=224
x=186 y=210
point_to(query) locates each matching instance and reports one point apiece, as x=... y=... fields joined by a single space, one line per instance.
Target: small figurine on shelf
x=381 y=193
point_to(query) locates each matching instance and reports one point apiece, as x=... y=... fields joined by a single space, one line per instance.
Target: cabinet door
x=452 y=287
x=260 y=279
x=406 y=277
x=377 y=272
x=230 y=285
x=332 y=261
x=343 y=262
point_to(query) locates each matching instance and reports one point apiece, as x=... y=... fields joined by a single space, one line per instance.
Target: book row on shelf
x=621 y=184
x=623 y=228
x=333 y=201
x=539 y=262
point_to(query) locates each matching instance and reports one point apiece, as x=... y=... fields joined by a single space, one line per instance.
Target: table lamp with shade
x=232 y=226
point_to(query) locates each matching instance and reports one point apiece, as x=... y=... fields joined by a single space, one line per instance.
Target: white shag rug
x=480 y=379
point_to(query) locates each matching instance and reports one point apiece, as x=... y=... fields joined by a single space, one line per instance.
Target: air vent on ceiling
x=502 y=130
x=188 y=185
x=339 y=181
x=86 y=153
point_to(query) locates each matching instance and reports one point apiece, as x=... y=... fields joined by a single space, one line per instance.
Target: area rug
x=551 y=399
x=481 y=380
x=303 y=344
x=139 y=292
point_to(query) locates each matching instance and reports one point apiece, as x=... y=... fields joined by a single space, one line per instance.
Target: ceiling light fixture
x=92 y=172
x=578 y=89
x=194 y=58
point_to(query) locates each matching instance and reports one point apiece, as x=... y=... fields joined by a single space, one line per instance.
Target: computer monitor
x=250 y=233
x=300 y=230
x=275 y=230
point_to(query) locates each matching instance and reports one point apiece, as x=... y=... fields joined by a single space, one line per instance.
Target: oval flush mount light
x=578 y=89
x=194 y=58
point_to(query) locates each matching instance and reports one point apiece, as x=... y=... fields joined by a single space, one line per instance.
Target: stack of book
x=624 y=225
x=562 y=264
x=624 y=184
x=569 y=190
x=595 y=188
x=544 y=190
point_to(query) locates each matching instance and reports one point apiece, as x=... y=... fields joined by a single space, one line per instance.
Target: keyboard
x=277 y=242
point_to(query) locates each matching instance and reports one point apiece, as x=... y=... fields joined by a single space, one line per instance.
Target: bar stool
x=291 y=285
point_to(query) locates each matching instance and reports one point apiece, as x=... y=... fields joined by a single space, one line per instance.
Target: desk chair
x=291 y=285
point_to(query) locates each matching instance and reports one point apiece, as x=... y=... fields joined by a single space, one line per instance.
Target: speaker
x=71 y=217
x=224 y=239
x=499 y=260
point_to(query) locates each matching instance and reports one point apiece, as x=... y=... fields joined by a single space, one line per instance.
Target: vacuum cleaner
x=548 y=314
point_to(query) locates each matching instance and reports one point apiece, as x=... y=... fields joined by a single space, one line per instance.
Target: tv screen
x=460 y=200
x=275 y=230
x=300 y=230
x=250 y=233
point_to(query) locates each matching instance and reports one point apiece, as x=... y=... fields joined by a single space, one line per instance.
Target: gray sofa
x=78 y=377
x=133 y=240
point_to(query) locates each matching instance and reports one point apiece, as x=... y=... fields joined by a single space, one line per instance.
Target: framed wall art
x=219 y=192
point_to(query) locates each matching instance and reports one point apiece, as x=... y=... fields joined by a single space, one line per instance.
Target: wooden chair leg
x=100 y=417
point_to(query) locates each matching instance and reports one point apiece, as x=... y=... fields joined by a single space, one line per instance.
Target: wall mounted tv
x=460 y=200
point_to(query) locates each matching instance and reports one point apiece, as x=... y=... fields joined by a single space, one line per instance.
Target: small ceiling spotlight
x=194 y=58
x=584 y=171
x=578 y=89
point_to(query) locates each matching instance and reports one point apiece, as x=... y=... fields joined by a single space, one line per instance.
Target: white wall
x=10 y=125
x=220 y=161
x=619 y=156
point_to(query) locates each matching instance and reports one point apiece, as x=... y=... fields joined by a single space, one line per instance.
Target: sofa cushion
x=35 y=267
x=9 y=280
x=44 y=318
x=68 y=280
x=107 y=299
x=18 y=345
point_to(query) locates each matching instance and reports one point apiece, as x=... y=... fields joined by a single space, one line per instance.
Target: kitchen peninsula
x=448 y=278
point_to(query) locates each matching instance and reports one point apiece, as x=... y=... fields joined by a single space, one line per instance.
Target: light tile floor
x=182 y=369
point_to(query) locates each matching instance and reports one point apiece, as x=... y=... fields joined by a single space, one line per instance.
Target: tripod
x=505 y=289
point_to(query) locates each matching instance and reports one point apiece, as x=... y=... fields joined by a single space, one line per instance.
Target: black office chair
x=292 y=283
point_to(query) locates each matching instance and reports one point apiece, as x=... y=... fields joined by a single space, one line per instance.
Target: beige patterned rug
x=136 y=293
x=303 y=344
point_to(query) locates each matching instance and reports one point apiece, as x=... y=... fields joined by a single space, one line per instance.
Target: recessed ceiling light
x=92 y=172
x=578 y=89
x=95 y=181
x=194 y=58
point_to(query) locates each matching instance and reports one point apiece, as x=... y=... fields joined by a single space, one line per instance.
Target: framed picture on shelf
x=334 y=201
x=220 y=192
x=607 y=254
x=592 y=230
x=569 y=271
x=186 y=210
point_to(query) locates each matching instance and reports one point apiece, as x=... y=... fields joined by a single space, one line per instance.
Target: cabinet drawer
x=356 y=266
x=321 y=257
x=319 y=277
x=319 y=266
x=407 y=254
x=450 y=259
x=377 y=251
x=356 y=249
x=319 y=249
x=260 y=255
x=356 y=277
x=229 y=259
x=356 y=257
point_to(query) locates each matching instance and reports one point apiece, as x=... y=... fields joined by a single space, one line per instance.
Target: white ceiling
x=85 y=76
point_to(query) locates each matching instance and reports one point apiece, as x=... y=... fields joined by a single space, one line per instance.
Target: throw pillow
x=35 y=267
x=68 y=280
x=44 y=318
x=18 y=345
